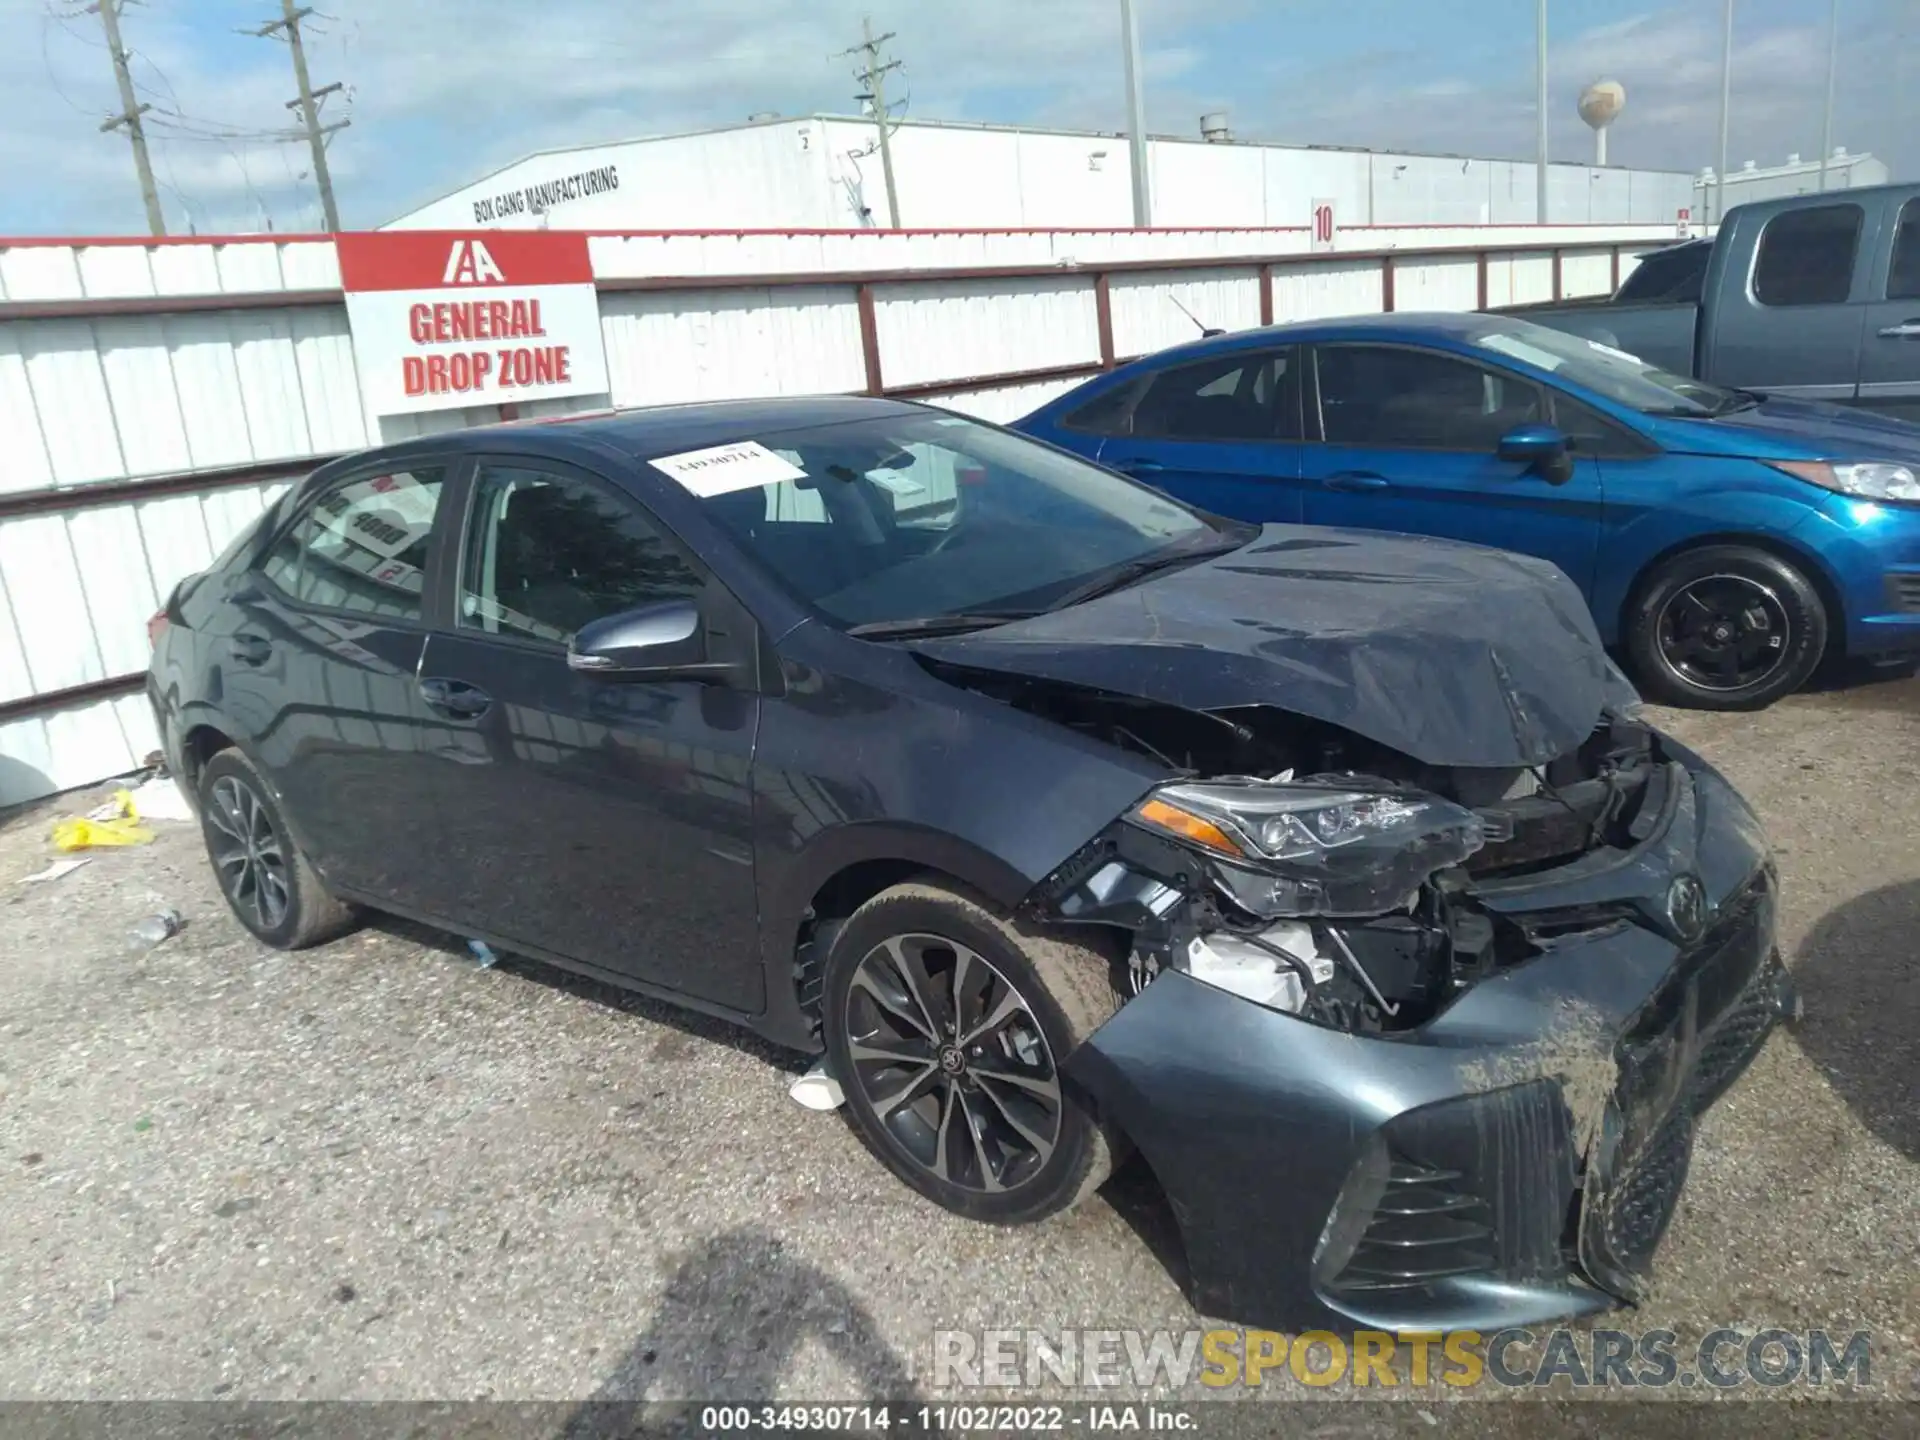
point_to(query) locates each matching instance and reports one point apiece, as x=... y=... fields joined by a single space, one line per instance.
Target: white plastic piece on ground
x=817 y=1089
x=54 y=871
x=1230 y=963
x=160 y=799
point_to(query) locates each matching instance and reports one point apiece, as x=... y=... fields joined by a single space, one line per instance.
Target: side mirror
x=1543 y=449
x=666 y=641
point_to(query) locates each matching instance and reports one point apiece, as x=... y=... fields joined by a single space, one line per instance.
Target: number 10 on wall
x=1323 y=227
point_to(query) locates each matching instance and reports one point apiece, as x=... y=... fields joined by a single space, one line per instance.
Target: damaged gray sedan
x=1336 y=874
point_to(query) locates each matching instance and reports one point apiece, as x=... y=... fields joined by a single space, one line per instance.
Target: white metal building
x=1796 y=177
x=823 y=172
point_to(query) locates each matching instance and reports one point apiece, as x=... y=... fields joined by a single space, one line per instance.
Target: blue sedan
x=1725 y=540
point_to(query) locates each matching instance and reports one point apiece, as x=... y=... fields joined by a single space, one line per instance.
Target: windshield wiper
x=1737 y=400
x=1132 y=571
x=956 y=624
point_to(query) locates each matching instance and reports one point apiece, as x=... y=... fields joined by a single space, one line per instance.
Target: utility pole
x=308 y=103
x=873 y=75
x=130 y=112
x=1726 y=110
x=1540 y=117
x=1833 y=66
x=1136 y=118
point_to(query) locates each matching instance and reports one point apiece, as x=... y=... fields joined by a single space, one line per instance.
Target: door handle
x=455 y=698
x=250 y=649
x=1905 y=330
x=1355 y=480
x=1143 y=467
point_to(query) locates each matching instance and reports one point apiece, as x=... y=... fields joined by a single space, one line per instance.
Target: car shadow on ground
x=1138 y=1198
x=1871 y=684
x=734 y=1313
x=690 y=1024
x=1858 y=974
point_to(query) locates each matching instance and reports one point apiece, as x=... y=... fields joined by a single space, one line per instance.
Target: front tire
x=1725 y=627
x=270 y=886
x=947 y=1025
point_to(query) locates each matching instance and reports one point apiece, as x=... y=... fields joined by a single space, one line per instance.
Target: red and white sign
x=1683 y=223
x=1325 y=228
x=443 y=320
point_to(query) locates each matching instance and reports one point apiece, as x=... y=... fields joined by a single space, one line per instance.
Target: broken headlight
x=1309 y=849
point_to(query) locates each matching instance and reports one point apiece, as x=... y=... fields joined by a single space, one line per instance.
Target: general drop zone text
x=468 y=370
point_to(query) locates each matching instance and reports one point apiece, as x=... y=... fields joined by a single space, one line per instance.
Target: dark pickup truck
x=1813 y=296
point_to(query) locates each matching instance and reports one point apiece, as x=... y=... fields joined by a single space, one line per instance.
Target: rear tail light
x=156 y=627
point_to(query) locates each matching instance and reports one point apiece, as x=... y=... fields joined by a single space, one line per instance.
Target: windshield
x=1620 y=377
x=922 y=516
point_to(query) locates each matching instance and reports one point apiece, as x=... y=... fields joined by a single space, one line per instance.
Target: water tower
x=1600 y=105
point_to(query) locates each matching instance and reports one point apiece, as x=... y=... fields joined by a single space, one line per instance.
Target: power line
x=131 y=109
x=47 y=19
x=308 y=102
x=873 y=76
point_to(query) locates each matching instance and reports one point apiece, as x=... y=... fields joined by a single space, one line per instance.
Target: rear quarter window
x=1807 y=256
x=1110 y=413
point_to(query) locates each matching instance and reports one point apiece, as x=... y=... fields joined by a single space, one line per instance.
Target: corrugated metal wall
x=209 y=396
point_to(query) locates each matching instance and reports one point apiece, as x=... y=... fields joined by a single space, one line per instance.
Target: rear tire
x=270 y=886
x=1725 y=627
x=947 y=1025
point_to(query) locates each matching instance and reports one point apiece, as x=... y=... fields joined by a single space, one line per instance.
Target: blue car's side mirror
x=1543 y=449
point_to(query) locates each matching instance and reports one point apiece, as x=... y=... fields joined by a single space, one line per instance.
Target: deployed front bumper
x=1514 y=1160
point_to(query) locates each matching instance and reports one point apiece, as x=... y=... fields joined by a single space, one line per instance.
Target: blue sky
x=440 y=91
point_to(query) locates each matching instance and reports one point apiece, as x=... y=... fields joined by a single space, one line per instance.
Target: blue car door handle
x=1355 y=480
x=455 y=698
x=1142 y=467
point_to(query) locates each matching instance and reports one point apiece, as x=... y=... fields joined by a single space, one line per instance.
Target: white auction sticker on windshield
x=722 y=469
x=1616 y=354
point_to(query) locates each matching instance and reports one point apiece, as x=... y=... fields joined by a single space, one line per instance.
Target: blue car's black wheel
x=947 y=1026
x=1725 y=627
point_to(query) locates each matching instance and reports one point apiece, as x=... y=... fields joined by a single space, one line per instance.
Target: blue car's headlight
x=1315 y=849
x=1864 y=480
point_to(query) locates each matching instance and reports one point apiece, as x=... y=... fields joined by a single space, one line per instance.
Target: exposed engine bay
x=1322 y=874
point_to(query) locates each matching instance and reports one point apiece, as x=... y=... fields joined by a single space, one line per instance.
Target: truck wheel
x=1725 y=627
x=947 y=1025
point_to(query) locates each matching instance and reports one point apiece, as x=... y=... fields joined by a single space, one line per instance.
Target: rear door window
x=361 y=546
x=1242 y=396
x=1807 y=256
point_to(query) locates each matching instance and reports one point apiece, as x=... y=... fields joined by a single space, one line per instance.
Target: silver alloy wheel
x=248 y=856
x=953 y=1062
x=1724 y=633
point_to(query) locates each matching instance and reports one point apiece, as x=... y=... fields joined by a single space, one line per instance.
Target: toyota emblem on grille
x=1687 y=907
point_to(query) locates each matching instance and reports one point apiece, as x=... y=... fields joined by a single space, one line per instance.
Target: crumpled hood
x=1451 y=654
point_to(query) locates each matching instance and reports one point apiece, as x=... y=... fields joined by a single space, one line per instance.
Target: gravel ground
x=375 y=1171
